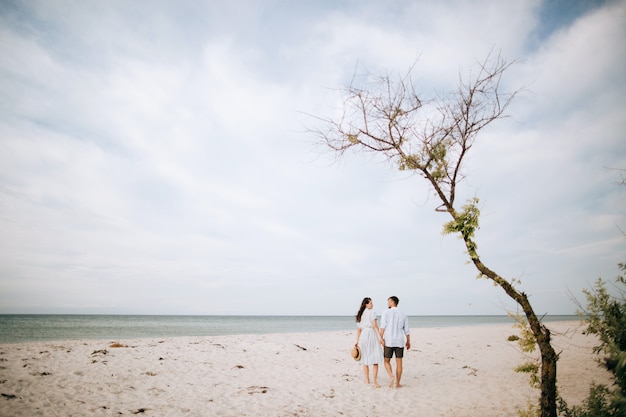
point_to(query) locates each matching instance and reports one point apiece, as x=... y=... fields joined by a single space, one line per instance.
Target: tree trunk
x=548 y=378
x=547 y=401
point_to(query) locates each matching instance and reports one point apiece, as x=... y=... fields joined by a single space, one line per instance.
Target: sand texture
x=452 y=371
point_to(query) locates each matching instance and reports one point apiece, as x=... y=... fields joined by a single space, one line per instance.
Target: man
x=394 y=328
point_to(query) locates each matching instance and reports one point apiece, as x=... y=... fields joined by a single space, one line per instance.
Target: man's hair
x=395 y=299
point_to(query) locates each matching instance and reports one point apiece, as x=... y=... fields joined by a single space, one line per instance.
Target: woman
x=368 y=339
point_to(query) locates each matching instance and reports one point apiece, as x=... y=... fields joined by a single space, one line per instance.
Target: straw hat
x=356 y=353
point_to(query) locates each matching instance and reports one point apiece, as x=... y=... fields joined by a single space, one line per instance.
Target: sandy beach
x=450 y=371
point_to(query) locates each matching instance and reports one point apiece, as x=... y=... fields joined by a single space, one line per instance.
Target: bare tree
x=432 y=138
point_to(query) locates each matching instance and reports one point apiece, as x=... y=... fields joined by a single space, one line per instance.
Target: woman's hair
x=364 y=304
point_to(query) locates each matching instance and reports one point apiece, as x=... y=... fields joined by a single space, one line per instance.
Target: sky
x=156 y=157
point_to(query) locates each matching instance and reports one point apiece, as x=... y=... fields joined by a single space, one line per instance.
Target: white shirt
x=396 y=325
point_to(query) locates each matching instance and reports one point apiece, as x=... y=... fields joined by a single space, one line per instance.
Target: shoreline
x=449 y=371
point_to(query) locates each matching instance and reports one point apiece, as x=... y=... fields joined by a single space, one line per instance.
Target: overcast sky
x=155 y=157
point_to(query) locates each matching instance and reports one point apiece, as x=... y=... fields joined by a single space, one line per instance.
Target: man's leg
x=398 y=372
x=388 y=367
x=389 y=371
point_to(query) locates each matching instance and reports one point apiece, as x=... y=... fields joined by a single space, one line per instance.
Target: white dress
x=371 y=350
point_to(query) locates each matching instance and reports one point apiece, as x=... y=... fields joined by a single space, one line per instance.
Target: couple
x=394 y=327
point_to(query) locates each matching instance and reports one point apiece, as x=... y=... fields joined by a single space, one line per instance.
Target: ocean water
x=43 y=327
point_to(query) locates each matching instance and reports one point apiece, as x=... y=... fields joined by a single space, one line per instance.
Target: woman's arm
x=378 y=332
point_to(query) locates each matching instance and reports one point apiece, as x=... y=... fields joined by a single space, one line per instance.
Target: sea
x=16 y=328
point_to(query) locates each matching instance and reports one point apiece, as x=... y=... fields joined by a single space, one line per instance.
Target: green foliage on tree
x=465 y=224
x=532 y=366
x=527 y=344
x=605 y=316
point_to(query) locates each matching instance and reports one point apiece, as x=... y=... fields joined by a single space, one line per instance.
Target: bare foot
x=376 y=385
x=391 y=384
x=399 y=385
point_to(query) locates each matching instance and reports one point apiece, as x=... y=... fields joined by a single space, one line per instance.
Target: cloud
x=157 y=159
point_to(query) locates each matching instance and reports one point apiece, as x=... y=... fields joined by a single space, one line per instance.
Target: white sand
x=456 y=371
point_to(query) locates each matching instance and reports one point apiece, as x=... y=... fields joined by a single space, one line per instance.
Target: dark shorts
x=389 y=352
